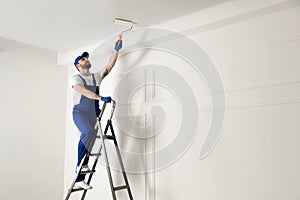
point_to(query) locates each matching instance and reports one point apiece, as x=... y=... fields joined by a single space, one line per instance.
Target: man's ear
x=77 y=66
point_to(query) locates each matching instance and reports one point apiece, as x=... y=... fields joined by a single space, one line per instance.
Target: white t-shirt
x=75 y=79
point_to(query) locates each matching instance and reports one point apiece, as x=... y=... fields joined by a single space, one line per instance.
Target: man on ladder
x=86 y=106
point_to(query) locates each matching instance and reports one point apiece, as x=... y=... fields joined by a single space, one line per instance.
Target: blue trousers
x=85 y=122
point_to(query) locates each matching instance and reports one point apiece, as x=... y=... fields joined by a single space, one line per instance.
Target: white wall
x=32 y=122
x=254 y=46
x=257 y=156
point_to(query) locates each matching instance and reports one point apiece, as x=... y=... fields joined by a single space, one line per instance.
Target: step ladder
x=103 y=136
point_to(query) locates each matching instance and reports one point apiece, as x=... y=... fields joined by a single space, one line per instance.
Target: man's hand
x=106 y=99
x=118 y=45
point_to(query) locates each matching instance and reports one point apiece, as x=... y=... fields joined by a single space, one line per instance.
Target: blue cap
x=84 y=54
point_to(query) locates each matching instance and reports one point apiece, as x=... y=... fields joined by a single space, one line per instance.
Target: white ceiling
x=63 y=25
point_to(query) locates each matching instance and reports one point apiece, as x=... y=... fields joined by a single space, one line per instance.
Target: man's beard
x=86 y=66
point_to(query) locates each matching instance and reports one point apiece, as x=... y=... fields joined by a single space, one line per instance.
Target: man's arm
x=113 y=59
x=111 y=63
x=85 y=92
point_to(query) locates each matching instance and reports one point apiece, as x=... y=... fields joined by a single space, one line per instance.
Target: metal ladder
x=103 y=136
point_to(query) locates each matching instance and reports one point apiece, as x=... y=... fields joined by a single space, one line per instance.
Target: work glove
x=106 y=99
x=118 y=45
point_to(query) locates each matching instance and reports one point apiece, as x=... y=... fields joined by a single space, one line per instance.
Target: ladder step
x=80 y=189
x=88 y=172
x=109 y=137
x=120 y=187
x=95 y=154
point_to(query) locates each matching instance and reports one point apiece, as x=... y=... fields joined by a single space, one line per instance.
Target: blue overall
x=85 y=116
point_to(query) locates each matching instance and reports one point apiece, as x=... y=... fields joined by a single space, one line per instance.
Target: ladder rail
x=93 y=169
x=74 y=181
x=107 y=164
x=120 y=160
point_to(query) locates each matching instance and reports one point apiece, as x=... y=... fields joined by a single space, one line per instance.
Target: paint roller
x=123 y=22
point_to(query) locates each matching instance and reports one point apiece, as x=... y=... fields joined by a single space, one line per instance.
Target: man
x=86 y=105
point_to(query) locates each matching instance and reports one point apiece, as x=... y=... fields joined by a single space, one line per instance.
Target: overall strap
x=94 y=80
x=84 y=82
